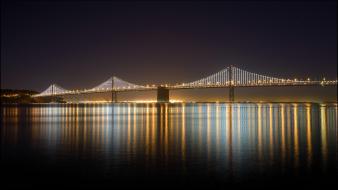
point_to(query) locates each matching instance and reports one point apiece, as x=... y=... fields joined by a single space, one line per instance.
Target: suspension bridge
x=230 y=77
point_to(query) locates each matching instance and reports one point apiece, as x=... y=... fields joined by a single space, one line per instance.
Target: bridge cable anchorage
x=115 y=83
x=53 y=89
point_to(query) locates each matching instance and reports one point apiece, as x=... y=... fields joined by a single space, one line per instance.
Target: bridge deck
x=298 y=84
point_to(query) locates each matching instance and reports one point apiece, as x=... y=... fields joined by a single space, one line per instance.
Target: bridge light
x=308 y=79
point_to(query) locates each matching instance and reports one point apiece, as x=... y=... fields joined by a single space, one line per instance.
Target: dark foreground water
x=169 y=145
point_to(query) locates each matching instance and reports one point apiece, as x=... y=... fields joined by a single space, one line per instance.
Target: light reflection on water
x=226 y=140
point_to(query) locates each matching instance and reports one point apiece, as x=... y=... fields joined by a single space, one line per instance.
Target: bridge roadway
x=163 y=90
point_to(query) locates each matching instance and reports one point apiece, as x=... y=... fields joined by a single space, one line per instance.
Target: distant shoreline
x=22 y=96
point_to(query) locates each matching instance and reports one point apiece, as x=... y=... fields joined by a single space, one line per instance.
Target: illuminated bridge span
x=229 y=77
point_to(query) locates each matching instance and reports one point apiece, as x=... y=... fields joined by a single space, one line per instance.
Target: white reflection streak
x=128 y=130
x=239 y=129
x=208 y=131
x=260 y=146
x=323 y=131
x=271 y=132
x=217 y=130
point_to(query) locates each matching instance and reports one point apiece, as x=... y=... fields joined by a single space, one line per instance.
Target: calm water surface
x=161 y=145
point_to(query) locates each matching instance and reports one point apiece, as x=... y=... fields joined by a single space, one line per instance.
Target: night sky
x=79 y=45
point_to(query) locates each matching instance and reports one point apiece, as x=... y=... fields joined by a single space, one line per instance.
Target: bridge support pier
x=231 y=94
x=114 y=96
x=53 y=99
x=162 y=94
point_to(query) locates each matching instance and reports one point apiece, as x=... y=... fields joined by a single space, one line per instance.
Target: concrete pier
x=162 y=94
x=114 y=96
x=231 y=94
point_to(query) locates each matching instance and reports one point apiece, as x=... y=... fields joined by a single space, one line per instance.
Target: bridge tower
x=52 y=97
x=162 y=94
x=54 y=89
x=113 y=91
x=231 y=87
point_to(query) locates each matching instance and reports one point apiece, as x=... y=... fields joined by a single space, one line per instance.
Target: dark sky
x=79 y=45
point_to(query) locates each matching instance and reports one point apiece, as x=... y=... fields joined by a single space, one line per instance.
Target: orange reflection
x=147 y=131
x=166 y=143
x=283 y=133
x=183 y=143
x=323 y=130
x=308 y=135
x=295 y=134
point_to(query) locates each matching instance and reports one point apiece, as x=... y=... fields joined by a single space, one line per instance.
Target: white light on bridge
x=238 y=77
